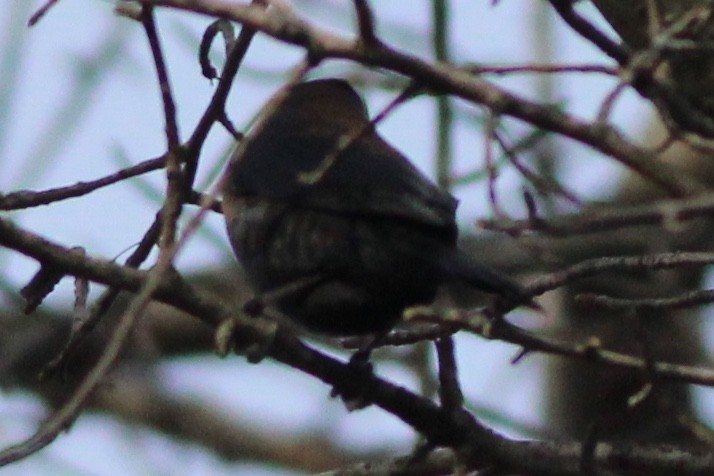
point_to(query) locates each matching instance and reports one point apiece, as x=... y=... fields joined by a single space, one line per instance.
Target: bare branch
x=27 y=198
x=447 y=79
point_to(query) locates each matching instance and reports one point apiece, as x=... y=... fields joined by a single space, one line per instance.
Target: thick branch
x=454 y=429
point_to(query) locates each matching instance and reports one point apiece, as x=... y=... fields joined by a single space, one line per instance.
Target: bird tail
x=459 y=266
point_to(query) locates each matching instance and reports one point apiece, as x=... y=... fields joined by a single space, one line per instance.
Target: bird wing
x=370 y=177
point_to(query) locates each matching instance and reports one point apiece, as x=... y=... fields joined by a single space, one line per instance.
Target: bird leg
x=359 y=363
x=257 y=350
x=255 y=306
x=361 y=356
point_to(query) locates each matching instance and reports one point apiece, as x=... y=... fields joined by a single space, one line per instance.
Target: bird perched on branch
x=334 y=227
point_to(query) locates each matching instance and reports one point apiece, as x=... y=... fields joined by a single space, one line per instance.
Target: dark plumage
x=364 y=236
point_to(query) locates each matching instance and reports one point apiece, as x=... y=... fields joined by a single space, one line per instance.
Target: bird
x=334 y=227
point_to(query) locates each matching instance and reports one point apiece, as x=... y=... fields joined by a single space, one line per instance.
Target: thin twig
x=594 y=266
x=444 y=109
x=452 y=399
x=27 y=198
x=587 y=30
x=216 y=107
x=40 y=12
x=347 y=141
x=670 y=214
x=534 y=68
x=172 y=204
x=590 y=351
x=365 y=23
x=683 y=301
x=488 y=139
x=540 y=182
x=69 y=411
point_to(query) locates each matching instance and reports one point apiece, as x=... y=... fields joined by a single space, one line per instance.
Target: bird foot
x=362 y=370
x=255 y=350
x=254 y=307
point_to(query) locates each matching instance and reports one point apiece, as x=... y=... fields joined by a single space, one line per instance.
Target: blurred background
x=79 y=100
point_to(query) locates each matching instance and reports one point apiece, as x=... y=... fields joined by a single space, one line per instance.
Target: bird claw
x=361 y=358
x=223 y=338
x=363 y=370
x=254 y=307
x=256 y=350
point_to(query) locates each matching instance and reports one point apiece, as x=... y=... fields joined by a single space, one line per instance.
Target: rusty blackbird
x=337 y=226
